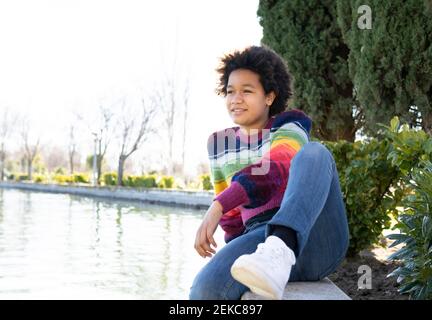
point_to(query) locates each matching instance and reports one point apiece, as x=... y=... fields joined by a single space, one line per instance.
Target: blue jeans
x=312 y=206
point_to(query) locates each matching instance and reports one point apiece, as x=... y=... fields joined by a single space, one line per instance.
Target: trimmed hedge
x=206 y=182
x=110 y=178
x=140 y=181
x=166 y=182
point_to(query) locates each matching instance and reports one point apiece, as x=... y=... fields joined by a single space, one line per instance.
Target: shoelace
x=275 y=255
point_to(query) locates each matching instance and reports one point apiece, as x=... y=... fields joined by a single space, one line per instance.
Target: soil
x=346 y=277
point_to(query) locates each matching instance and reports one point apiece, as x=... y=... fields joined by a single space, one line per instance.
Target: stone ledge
x=314 y=290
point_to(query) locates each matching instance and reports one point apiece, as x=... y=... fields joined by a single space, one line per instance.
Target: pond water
x=56 y=246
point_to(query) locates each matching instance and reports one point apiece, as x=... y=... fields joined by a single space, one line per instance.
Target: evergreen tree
x=307 y=36
x=391 y=63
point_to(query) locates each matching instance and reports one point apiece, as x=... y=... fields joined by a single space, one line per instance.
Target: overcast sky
x=63 y=55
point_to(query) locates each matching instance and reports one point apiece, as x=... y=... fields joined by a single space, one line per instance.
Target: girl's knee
x=316 y=147
x=317 y=151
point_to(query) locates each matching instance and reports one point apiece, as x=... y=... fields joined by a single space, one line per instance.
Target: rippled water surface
x=55 y=246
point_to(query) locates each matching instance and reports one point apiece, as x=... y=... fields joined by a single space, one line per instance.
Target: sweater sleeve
x=231 y=222
x=255 y=184
x=216 y=175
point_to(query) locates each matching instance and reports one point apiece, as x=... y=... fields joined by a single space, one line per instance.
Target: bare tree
x=101 y=129
x=6 y=126
x=54 y=157
x=170 y=97
x=185 y=117
x=203 y=168
x=165 y=97
x=135 y=128
x=72 y=147
x=30 y=147
x=104 y=138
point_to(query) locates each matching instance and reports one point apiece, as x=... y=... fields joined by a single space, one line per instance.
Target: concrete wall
x=196 y=199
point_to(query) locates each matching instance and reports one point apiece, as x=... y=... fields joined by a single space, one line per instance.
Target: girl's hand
x=204 y=236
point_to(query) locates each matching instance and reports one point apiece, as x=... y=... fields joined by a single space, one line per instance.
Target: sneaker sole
x=250 y=277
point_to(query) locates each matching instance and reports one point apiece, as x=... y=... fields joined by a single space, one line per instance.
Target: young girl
x=278 y=197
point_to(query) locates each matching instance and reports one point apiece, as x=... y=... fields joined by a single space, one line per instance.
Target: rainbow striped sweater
x=250 y=172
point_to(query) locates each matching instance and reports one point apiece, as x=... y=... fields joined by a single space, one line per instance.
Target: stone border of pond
x=186 y=198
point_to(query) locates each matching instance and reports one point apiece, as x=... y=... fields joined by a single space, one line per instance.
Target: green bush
x=415 y=225
x=166 y=182
x=110 y=178
x=140 y=181
x=63 y=179
x=147 y=181
x=206 y=182
x=130 y=181
x=409 y=146
x=21 y=177
x=127 y=181
x=371 y=176
x=81 y=178
x=365 y=176
x=38 y=178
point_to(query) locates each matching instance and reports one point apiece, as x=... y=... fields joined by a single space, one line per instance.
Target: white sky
x=63 y=55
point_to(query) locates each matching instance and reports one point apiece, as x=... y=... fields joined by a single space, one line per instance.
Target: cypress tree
x=391 y=63
x=307 y=36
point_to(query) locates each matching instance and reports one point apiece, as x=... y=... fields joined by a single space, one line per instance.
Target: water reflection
x=59 y=246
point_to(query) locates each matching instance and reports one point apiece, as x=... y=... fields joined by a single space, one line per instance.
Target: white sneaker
x=267 y=270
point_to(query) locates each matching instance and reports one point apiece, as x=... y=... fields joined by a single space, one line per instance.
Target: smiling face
x=246 y=101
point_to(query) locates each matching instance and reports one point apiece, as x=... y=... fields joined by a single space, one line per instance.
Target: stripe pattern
x=250 y=173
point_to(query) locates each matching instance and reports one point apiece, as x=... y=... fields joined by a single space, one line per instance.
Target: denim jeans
x=312 y=206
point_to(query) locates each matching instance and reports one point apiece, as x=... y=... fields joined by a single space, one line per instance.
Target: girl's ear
x=270 y=98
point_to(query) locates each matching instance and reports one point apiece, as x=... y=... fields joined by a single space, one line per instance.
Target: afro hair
x=271 y=68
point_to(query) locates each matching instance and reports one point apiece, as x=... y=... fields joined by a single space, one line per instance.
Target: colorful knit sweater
x=250 y=172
